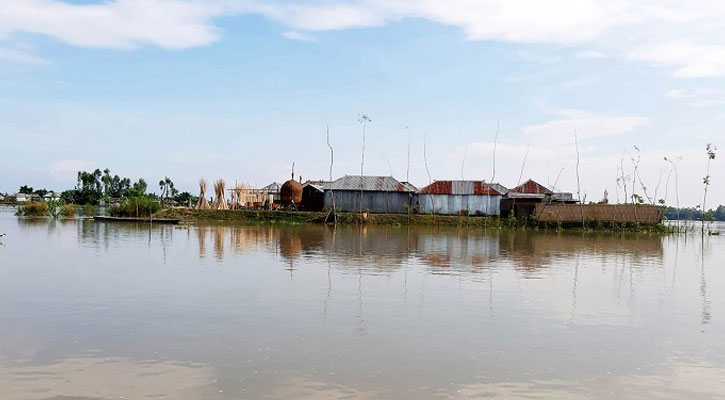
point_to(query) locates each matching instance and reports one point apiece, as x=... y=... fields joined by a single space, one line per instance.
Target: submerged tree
x=710 y=151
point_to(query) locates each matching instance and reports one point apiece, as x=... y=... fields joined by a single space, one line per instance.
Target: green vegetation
x=300 y=217
x=92 y=187
x=139 y=206
x=695 y=213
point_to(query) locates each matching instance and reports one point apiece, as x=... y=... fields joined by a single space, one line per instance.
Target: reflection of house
x=459 y=198
x=382 y=194
x=522 y=199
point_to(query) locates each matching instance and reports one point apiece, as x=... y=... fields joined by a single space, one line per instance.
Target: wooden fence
x=618 y=213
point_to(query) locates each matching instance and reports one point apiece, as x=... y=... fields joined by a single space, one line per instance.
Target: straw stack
x=202 y=204
x=220 y=201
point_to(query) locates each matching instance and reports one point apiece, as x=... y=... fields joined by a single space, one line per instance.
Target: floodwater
x=124 y=311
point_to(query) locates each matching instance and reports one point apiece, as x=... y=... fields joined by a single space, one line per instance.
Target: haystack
x=220 y=201
x=202 y=204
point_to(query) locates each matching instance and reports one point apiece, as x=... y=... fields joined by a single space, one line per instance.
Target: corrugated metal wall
x=376 y=202
x=443 y=204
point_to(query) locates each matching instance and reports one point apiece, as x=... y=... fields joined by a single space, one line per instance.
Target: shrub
x=34 y=209
x=89 y=210
x=68 y=210
x=141 y=206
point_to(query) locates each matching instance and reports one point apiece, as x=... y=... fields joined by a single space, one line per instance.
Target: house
x=51 y=196
x=459 y=198
x=522 y=199
x=313 y=195
x=378 y=194
x=273 y=189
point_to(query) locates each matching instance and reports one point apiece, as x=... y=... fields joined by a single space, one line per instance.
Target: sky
x=242 y=89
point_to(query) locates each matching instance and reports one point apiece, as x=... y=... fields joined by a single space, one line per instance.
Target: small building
x=459 y=198
x=273 y=189
x=379 y=194
x=313 y=195
x=522 y=200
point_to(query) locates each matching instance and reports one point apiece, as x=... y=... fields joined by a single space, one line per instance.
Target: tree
x=25 y=189
x=710 y=150
x=89 y=187
x=167 y=188
x=138 y=188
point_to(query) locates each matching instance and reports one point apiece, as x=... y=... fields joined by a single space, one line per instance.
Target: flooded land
x=93 y=310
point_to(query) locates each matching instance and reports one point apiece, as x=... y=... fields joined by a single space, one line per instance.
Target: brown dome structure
x=291 y=193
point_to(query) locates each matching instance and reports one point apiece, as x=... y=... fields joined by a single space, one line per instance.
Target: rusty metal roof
x=370 y=184
x=461 y=188
x=531 y=187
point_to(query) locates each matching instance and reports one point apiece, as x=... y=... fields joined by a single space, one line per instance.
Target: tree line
x=695 y=213
x=100 y=185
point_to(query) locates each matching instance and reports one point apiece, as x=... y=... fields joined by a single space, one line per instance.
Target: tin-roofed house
x=459 y=198
x=273 y=189
x=522 y=199
x=379 y=194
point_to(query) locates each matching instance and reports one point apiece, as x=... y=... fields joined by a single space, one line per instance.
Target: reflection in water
x=110 y=310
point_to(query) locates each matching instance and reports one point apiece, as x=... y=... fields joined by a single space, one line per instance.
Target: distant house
x=379 y=194
x=51 y=196
x=22 y=198
x=522 y=200
x=273 y=189
x=459 y=198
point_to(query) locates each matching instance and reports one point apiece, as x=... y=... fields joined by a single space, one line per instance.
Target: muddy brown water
x=94 y=310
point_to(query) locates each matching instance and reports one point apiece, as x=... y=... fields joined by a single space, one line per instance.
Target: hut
x=459 y=198
x=522 y=200
x=272 y=189
x=313 y=195
x=290 y=194
x=377 y=194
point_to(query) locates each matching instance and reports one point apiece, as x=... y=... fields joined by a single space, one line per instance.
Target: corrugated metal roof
x=370 y=184
x=461 y=188
x=499 y=187
x=273 y=187
x=531 y=187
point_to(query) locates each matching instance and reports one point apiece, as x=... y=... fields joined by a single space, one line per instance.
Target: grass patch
x=141 y=206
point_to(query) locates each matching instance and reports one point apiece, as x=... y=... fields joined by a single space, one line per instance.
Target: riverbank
x=189 y=215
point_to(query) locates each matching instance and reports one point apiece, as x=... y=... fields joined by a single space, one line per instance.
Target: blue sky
x=241 y=89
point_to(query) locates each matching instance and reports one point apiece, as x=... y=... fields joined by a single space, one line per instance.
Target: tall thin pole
x=363 y=119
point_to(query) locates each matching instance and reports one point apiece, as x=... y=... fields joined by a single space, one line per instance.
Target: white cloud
x=587 y=125
x=689 y=60
x=20 y=56
x=120 y=24
x=678 y=27
x=64 y=169
x=302 y=37
x=703 y=97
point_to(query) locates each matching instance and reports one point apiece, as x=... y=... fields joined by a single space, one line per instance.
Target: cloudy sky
x=240 y=89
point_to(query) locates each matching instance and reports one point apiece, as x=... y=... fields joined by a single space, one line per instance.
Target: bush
x=89 y=210
x=34 y=209
x=140 y=206
x=68 y=210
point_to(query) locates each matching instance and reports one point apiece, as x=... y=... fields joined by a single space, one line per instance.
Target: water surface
x=107 y=311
